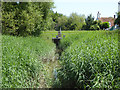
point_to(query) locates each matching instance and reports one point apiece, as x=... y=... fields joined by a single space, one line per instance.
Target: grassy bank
x=22 y=64
x=90 y=59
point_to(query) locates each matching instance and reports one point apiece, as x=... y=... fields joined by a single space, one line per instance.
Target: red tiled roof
x=108 y=19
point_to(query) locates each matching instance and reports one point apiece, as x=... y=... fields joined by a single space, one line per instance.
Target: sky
x=107 y=8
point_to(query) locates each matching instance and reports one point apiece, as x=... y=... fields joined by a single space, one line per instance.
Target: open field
x=89 y=59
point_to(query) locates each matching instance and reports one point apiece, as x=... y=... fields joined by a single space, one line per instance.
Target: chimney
x=98 y=15
x=114 y=16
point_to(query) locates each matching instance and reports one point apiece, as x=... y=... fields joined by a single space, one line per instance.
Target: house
x=108 y=19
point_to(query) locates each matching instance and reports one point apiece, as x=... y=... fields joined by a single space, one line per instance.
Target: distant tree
x=62 y=20
x=117 y=21
x=76 y=21
x=56 y=17
x=88 y=22
x=73 y=22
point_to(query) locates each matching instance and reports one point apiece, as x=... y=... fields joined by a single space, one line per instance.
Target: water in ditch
x=51 y=67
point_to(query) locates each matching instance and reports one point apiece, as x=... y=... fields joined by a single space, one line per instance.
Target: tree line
x=30 y=18
x=26 y=18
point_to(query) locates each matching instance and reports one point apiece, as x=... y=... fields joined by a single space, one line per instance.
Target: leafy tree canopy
x=26 y=18
x=117 y=21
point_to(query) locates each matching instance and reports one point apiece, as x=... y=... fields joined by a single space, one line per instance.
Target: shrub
x=94 y=27
x=105 y=25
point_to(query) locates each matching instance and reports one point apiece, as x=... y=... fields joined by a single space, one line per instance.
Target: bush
x=105 y=25
x=94 y=27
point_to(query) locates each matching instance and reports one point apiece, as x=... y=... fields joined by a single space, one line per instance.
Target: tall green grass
x=22 y=57
x=0 y=60
x=90 y=59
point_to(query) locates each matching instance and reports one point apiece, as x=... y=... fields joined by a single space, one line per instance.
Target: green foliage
x=99 y=24
x=91 y=61
x=91 y=24
x=89 y=21
x=55 y=16
x=73 y=22
x=105 y=25
x=22 y=65
x=77 y=21
x=26 y=18
x=68 y=41
x=0 y=60
x=94 y=27
x=62 y=22
x=117 y=21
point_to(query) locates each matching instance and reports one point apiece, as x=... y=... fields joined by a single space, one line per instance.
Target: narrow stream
x=51 y=67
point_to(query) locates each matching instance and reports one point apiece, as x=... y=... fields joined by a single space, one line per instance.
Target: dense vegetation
x=73 y=22
x=22 y=61
x=92 y=24
x=30 y=18
x=90 y=59
x=0 y=60
x=117 y=21
x=26 y=18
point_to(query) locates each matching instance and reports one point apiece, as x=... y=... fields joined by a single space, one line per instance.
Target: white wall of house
x=110 y=24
